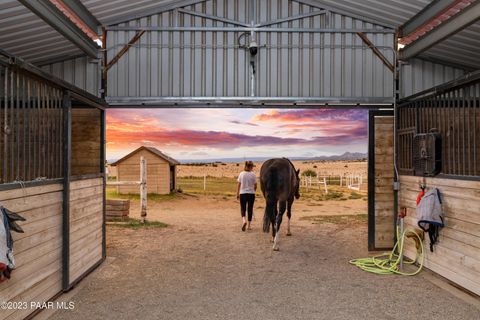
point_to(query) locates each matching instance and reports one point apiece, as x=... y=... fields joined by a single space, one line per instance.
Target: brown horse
x=280 y=184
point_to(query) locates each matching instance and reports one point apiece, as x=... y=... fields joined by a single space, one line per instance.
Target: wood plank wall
x=38 y=251
x=158 y=173
x=85 y=141
x=457 y=254
x=384 y=215
x=86 y=220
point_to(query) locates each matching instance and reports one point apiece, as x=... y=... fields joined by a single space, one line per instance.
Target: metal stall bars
x=453 y=110
x=31 y=126
x=35 y=139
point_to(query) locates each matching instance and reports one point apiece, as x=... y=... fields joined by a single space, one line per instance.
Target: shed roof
x=153 y=150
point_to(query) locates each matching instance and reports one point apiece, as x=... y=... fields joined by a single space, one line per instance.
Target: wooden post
x=325 y=184
x=143 y=189
x=204 y=182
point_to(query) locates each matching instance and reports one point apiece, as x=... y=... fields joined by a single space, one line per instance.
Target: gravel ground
x=203 y=267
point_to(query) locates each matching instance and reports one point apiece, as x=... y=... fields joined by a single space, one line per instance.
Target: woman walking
x=247 y=185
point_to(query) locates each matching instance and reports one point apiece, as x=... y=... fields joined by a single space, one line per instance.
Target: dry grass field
x=231 y=170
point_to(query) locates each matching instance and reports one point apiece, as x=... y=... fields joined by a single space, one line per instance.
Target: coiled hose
x=388 y=263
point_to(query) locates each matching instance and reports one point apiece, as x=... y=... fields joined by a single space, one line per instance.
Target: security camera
x=253 y=48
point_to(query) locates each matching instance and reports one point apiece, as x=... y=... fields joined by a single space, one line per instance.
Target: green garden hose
x=388 y=263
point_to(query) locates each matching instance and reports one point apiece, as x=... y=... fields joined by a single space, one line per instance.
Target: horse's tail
x=270 y=198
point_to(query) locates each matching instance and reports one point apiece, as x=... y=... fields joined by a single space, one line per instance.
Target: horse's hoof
x=289 y=234
x=276 y=249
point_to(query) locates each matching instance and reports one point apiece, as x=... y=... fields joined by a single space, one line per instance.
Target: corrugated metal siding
x=25 y=35
x=462 y=48
x=211 y=64
x=81 y=72
x=388 y=12
x=110 y=10
x=421 y=75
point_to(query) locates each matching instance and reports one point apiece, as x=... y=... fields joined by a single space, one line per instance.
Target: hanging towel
x=7 y=223
x=429 y=214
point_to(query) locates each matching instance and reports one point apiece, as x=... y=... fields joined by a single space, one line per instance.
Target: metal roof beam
x=446 y=29
x=250 y=102
x=174 y=4
x=83 y=13
x=248 y=29
x=292 y=18
x=62 y=24
x=425 y=15
x=214 y=18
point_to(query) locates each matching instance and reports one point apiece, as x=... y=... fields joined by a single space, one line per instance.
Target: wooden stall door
x=381 y=220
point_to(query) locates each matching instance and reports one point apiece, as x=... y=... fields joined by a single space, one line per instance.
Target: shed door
x=381 y=219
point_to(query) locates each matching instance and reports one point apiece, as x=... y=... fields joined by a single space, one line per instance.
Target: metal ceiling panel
x=462 y=48
x=110 y=11
x=388 y=12
x=24 y=34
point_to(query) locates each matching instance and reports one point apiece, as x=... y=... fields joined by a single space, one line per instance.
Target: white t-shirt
x=247 y=181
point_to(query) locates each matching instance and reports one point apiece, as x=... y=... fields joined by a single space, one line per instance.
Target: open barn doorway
x=331 y=147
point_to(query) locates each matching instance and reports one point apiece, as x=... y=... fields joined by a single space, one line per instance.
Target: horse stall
x=52 y=174
x=451 y=110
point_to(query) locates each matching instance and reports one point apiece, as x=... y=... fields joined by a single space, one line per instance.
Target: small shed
x=161 y=171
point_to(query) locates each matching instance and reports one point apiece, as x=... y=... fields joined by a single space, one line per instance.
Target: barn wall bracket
x=124 y=50
x=376 y=51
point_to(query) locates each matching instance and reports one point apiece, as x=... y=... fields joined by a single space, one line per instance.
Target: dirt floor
x=204 y=267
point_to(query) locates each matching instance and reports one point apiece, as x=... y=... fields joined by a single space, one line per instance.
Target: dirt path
x=203 y=267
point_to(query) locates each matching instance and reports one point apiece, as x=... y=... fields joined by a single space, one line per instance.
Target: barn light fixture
x=253 y=48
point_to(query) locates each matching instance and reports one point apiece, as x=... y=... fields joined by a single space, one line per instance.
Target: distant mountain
x=345 y=156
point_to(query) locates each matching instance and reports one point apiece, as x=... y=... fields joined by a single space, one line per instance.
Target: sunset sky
x=188 y=134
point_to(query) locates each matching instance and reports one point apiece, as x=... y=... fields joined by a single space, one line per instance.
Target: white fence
x=351 y=181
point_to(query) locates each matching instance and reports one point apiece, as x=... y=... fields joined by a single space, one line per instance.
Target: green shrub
x=355 y=195
x=309 y=173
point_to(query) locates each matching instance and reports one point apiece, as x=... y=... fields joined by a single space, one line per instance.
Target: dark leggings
x=247 y=199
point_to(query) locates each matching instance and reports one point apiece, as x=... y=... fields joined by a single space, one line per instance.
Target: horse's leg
x=283 y=207
x=289 y=215
x=272 y=221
